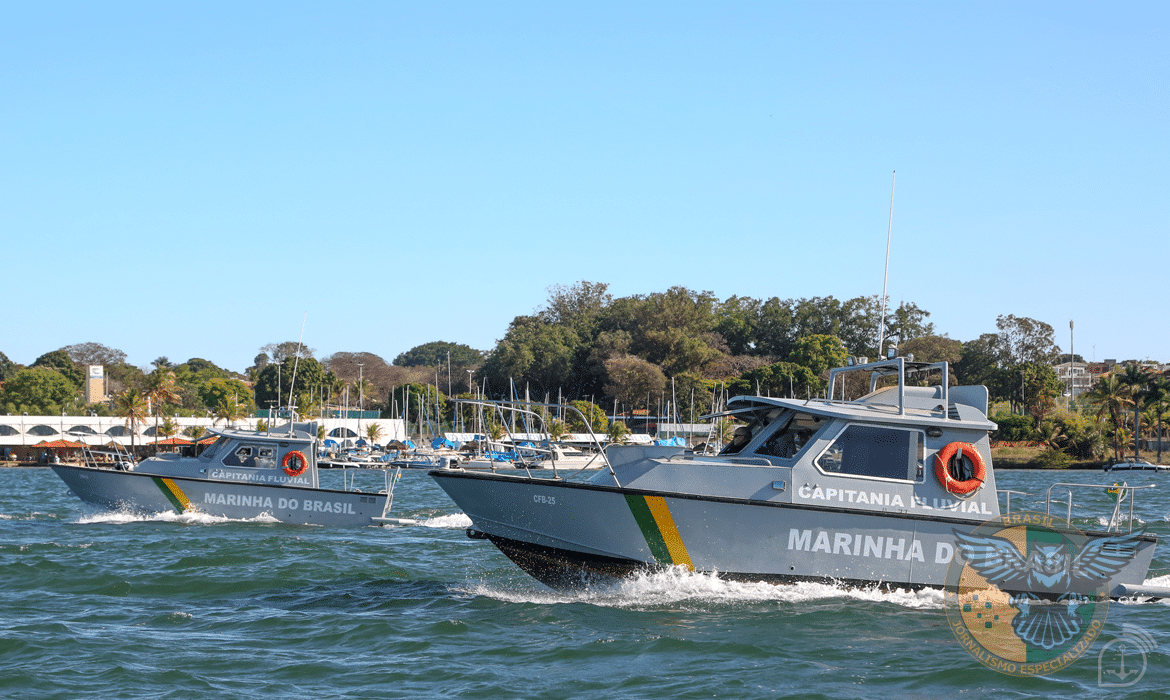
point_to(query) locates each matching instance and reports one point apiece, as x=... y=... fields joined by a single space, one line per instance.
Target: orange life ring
x=942 y=460
x=294 y=471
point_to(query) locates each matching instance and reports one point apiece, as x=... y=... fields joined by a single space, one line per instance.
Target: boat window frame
x=920 y=471
x=781 y=424
x=211 y=450
x=756 y=426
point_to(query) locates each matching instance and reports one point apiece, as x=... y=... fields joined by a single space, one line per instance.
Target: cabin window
x=791 y=437
x=866 y=450
x=757 y=422
x=244 y=453
x=212 y=449
x=265 y=451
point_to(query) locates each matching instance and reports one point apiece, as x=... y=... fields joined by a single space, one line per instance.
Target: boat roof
x=299 y=432
x=941 y=405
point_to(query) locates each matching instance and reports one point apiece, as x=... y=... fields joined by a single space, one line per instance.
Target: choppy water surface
x=107 y=605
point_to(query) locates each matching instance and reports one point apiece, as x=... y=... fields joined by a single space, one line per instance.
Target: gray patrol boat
x=242 y=475
x=888 y=488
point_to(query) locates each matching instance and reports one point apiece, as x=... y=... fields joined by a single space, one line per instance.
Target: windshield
x=795 y=431
x=213 y=449
x=757 y=421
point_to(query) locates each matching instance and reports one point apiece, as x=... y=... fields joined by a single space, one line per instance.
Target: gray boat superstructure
x=242 y=475
x=872 y=490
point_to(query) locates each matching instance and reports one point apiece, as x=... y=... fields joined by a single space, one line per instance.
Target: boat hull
x=565 y=534
x=151 y=493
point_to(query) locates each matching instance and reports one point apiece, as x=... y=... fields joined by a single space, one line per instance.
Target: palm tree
x=162 y=387
x=1137 y=379
x=194 y=432
x=168 y=427
x=229 y=410
x=373 y=432
x=557 y=430
x=1111 y=397
x=617 y=432
x=131 y=405
x=1156 y=394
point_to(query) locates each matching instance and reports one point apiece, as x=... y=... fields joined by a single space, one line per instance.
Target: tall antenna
x=297 y=361
x=886 y=276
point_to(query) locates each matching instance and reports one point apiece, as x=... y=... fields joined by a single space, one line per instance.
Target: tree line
x=679 y=348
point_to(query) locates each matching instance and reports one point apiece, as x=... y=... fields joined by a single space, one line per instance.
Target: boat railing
x=514 y=407
x=1120 y=492
x=895 y=366
x=1008 y=493
x=117 y=458
x=391 y=482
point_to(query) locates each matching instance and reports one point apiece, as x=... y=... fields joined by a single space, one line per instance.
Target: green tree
x=435 y=353
x=38 y=390
x=1041 y=387
x=161 y=388
x=84 y=354
x=632 y=381
x=737 y=320
x=374 y=432
x=167 y=428
x=819 y=353
x=557 y=430
x=194 y=432
x=229 y=410
x=7 y=367
x=1157 y=392
x=1137 y=379
x=533 y=352
x=594 y=415
x=933 y=348
x=578 y=306
x=1025 y=340
x=781 y=379
x=60 y=361
x=617 y=433
x=131 y=405
x=1111 y=398
x=278 y=377
x=216 y=391
x=288 y=350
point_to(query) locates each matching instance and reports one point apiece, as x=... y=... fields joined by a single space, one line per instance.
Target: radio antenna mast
x=296 y=362
x=886 y=276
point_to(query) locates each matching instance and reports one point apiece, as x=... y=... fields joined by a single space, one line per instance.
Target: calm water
x=103 y=605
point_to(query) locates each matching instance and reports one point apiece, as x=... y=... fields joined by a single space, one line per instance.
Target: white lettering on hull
x=266 y=503
x=856 y=545
x=890 y=500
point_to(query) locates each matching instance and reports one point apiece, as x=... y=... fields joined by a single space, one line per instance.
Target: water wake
x=677 y=586
x=454 y=521
x=122 y=517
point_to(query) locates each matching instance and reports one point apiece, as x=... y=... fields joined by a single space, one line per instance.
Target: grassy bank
x=1031 y=458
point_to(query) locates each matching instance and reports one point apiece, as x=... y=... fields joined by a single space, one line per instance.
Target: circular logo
x=1027 y=593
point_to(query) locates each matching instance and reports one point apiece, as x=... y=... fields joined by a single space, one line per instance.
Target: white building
x=1075 y=376
x=100 y=430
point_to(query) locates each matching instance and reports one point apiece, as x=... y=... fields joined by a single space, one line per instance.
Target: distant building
x=95 y=384
x=1077 y=377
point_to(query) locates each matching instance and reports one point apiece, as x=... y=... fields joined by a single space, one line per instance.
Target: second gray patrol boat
x=242 y=475
x=888 y=488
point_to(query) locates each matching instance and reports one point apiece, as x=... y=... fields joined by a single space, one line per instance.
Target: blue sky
x=195 y=179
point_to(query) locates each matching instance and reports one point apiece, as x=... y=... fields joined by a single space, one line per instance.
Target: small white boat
x=1132 y=466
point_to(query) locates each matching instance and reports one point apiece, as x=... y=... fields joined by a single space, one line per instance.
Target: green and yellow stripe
x=657 y=525
x=173 y=493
